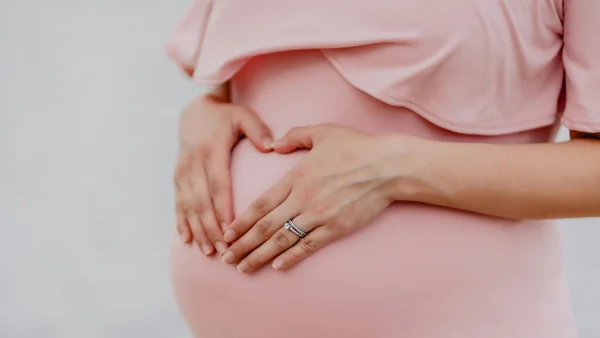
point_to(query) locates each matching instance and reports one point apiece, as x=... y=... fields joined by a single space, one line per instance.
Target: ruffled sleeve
x=581 y=57
x=183 y=46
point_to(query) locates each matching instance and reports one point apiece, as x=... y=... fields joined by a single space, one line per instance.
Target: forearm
x=536 y=181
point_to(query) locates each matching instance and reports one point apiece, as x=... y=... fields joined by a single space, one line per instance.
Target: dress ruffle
x=456 y=76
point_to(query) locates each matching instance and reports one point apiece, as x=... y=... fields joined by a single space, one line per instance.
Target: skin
x=337 y=194
x=209 y=128
x=337 y=188
x=349 y=177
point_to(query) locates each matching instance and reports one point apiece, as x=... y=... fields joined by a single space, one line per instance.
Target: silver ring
x=289 y=225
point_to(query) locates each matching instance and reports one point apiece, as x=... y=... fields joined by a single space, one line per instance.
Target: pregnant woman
x=384 y=168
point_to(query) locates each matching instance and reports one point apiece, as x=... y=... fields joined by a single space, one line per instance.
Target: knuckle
x=198 y=207
x=200 y=204
x=253 y=263
x=218 y=186
x=293 y=256
x=222 y=213
x=212 y=233
x=264 y=227
x=184 y=161
x=281 y=240
x=238 y=249
x=308 y=245
x=309 y=193
x=339 y=227
x=180 y=207
x=312 y=191
x=299 y=172
x=240 y=226
x=320 y=210
x=197 y=229
x=204 y=151
x=261 y=205
x=179 y=175
x=201 y=152
x=188 y=207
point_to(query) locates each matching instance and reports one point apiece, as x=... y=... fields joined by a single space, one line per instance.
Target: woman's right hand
x=208 y=130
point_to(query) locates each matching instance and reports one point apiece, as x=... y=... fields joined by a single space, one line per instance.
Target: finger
x=185 y=233
x=199 y=234
x=262 y=206
x=219 y=186
x=298 y=138
x=304 y=248
x=259 y=233
x=205 y=211
x=213 y=231
x=281 y=241
x=224 y=228
x=254 y=128
x=183 y=228
x=192 y=218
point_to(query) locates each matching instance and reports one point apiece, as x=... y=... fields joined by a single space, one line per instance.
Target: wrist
x=407 y=167
x=220 y=92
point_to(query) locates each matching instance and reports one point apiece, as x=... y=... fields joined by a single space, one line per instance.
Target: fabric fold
x=470 y=74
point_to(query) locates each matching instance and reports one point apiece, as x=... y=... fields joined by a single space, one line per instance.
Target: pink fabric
x=414 y=271
x=484 y=67
x=582 y=64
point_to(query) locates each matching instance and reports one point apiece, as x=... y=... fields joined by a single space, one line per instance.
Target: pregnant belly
x=414 y=271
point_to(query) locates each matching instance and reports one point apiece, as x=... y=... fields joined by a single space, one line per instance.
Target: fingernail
x=277 y=263
x=267 y=142
x=229 y=257
x=243 y=267
x=220 y=247
x=207 y=249
x=229 y=236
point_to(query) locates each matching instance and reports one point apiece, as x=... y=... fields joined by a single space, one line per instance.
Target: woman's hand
x=208 y=130
x=337 y=188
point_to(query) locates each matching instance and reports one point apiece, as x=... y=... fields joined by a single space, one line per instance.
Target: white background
x=88 y=112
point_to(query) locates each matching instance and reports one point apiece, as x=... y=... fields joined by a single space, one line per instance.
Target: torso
x=415 y=271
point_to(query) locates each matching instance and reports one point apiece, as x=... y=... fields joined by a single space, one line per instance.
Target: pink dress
x=462 y=71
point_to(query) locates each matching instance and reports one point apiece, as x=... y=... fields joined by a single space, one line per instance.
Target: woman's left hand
x=337 y=188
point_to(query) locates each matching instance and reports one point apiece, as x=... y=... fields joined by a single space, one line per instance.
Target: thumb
x=297 y=138
x=255 y=129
